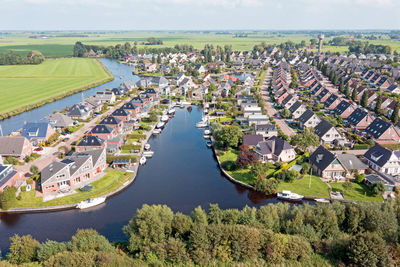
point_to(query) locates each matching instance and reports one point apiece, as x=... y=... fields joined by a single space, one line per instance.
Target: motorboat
x=160 y=124
x=142 y=160
x=148 y=154
x=205 y=111
x=287 y=195
x=185 y=103
x=201 y=124
x=90 y=202
x=164 y=118
x=206 y=136
x=147 y=146
x=156 y=131
x=209 y=144
x=171 y=111
x=207 y=132
x=322 y=200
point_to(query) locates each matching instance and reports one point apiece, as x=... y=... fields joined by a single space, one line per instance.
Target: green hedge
x=136 y=136
x=111 y=158
x=131 y=147
x=360 y=146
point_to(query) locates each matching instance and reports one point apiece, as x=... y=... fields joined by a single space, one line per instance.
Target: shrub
x=359 y=178
x=229 y=165
x=267 y=186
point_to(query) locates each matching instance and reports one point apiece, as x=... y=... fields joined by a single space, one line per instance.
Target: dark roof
x=129 y=105
x=110 y=120
x=101 y=129
x=35 y=130
x=377 y=127
x=321 y=158
x=295 y=106
x=287 y=99
x=274 y=145
x=332 y=98
x=252 y=139
x=90 y=140
x=351 y=162
x=341 y=107
x=322 y=94
x=392 y=87
x=356 y=116
x=306 y=116
x=265 y=127
x=120 y=112
x=378 y=155
x=322 y=128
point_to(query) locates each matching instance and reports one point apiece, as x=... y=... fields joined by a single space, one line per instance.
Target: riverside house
x=382 y=132
x=90 y=142
x=274 y=149
x=9 y=177
x=37 y=132
x=15 y=146
x=73 y=172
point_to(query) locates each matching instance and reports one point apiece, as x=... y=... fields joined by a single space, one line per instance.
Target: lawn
x=318 y=187
x=24 y=85
x=358 y=192
x=111 y=181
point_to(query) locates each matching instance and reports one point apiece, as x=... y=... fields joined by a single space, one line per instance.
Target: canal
x=182 y=174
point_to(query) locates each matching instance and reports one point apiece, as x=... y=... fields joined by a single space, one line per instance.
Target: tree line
x=11 y=58
x=334 y=234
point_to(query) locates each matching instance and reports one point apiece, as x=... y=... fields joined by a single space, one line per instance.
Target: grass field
x=317 y=189
x=23 y=85
x=111 y=181
x=358 y=192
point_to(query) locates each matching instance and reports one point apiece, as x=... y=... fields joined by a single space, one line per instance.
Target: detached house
x=103 y=131
x=344 y=109
x=359 y=119
x=90 y=142
x=382 y=131
x=113 y=122
x=266 y=130
x=332 y=102
x=288 y=101
x=308 y=119
x=15 y=146
x=297 y=109
x=122 y=114
x=79 y=111
x=383 y=160
x=37 y=132
x=275 y=149
x=327 y=133
x=9 y=177
x=105 y=97
x=59 y=120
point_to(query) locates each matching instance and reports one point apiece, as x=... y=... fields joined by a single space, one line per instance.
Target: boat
x=90 y=202
x=148 y=154
x=287 y=195
x=201 y=124
x=147 y=146
x=322 y=200
x=209 y=144
x=160 y=124
x=171 y=111
x=206 y=136
x=164 y=118
x=142 y=160
x=207 y=132
x=156 y=131
x=205 y=111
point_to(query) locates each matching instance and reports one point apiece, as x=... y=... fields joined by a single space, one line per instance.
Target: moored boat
x=148 y=154
x=142 y=160
x=322 y=200
x=160 y=124
x=207 y=132
x=209 y=144
x=91 y=202
x=206 y=136
x=164 y=118
x=287 y=195
x=147 y=146
x=171 y=111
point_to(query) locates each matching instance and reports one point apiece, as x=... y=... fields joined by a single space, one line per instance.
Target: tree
x=378 y=188
x=7 y=197
x=305 y=168
x=354 y=95
x=378 y=104
x=359 y=177
x=367 y=249
x=266 y=186
x=23 y=249
x=395 y=115
x=246 y=157
x=364 y=99
x=305 y=140
x=199 y=216
x=50 y=248
x=228 y=136
x=347 y=91
x=285 y=113
x=80 y=50
x=259 y=169
x=86 y=240
x=34 y=169
x=341 y=86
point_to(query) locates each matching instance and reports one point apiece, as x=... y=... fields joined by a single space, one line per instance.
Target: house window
x=78 y=179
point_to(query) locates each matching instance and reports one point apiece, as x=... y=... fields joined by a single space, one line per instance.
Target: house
x=103 y=131
x=393 y=89
x=79 y=111
x=247 y=111
x=359 y=119
x=383 y=160
x=15 y=146
x=288 y=101
x=9 y=177
x=297 y=109
x=150 y=67
x=332 y=101
x=275 y=149
x=37 y=132
x=90 y=142
x=351 y=164
x=308 y=119
x=105 y=97
x=266 y=130
x=130 y=107
x=92 y=104
x=128 y=85
x=326 y=165
x=382 y=131
x=73 y=172
x=327 y=133
x=372 y=179
x=59 y=120
x=257 y=119
x=344 y=109
x=159 y=81
x=113 y=122
x=252 y=139
x=122 y=114
x=200 y=68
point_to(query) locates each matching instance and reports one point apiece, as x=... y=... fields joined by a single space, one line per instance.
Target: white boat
x=160 y=124
x=171 y=111
x=185 y=103
x=205 y=111
x=156 y=131
x=209 y=144
x=147 y=146
x=142 y=160
x=164 y=118
x=201 y=124
x=90 y=202
x=322 y=200
x=287 y=195
x=206 y=136
x=207 y=132
x=148 y=154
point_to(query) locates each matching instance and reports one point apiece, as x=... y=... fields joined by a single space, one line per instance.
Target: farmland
x=25 y=85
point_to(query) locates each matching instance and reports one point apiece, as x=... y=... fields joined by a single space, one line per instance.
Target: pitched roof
x=332 y=98
x=273 y=145
x=322 y=128
x=120 y=112
x=321 y=158
x=110 y=120
x=378 y=155
x=60 y=120
x=101 y=129
x=35 y=130
x=252 y=139
x=377 y=127
x=11 y=145
x=306 y=116
x=296 y=105
x=339 y=109
x=351 y=162
x=265 y=127
x=90 y=140
x=356 y=116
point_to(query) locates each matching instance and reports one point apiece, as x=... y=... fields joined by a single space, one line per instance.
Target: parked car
x=38 y=149
x=66 y=139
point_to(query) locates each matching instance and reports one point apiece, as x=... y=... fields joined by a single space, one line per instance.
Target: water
x=121 y=73
x=182 y=174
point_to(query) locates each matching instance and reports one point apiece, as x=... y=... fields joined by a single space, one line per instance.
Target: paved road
x=49 y=154
x=268 y=105
x=354 y=152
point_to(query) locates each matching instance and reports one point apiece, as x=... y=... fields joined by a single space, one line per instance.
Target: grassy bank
x=36 y=85
x=357 y=192
x=111 y=181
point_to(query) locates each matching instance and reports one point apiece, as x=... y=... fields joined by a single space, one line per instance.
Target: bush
x=229 y=165
x=111 y=158
x=359 y=178
x=267 y=186
x=360 y=146
x=7 y=197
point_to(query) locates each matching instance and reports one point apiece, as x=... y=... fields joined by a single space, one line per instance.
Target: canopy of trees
x=11 y=58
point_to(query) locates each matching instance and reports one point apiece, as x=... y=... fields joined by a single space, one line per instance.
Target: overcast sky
x=198 y=14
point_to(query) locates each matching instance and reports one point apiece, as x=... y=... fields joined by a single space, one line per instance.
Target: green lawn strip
x=318 y=187
x=111 y=181
x=358 y=192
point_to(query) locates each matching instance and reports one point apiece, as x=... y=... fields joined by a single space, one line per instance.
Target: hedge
x=360 y=146
x=111 y=158
x=136 y=136
x=131 y=147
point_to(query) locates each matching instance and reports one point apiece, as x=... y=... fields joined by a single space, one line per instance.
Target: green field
x=23 y=85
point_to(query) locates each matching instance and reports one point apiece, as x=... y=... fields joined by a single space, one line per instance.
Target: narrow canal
x=182 y=174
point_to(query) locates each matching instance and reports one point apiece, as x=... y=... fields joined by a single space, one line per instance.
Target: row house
x=344 y=109
x=332 y=102
x=359 y=119
x=113 y=122
x=308 y=119
x=90 y=142
x=382 y=132
x=297 y=109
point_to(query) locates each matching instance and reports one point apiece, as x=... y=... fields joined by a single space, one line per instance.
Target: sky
x=198 y=14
